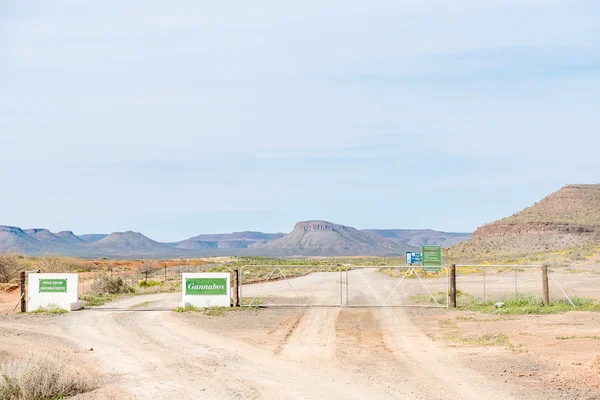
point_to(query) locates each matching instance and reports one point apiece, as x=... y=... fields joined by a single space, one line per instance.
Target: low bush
x=40 y=378
x=10 y=266
x=143 y=284
x=105 y=284
x=95 y=300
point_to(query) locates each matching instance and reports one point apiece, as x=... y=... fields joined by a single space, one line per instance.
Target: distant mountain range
x=309 y=238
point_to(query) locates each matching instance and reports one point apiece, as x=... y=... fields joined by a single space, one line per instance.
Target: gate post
x=546 y=298
x=23 y=298
x=453 y=286
x=236 y=290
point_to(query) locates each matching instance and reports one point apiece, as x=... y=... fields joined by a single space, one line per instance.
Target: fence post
x=165 y=274
x=546 y=298
x=236 y=290
x=453 y=286
x=23 y=296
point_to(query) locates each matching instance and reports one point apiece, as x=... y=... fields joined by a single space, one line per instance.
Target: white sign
x=208 y=289
x=53 y=290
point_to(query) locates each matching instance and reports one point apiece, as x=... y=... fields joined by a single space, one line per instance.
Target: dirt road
x=311 y=354
x=142 y=350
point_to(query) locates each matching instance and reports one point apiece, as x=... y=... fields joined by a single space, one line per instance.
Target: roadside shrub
x=144 y=284
x=110 y=285
x=95 y=300
x=10 y=266
x=39 y=378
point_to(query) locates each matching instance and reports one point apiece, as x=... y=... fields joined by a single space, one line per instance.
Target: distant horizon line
x=231 y=232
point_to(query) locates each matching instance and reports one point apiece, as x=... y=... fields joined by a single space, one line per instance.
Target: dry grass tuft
x=40 y=378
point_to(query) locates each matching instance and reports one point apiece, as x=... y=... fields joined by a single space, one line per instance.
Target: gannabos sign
x=206 y=289
x=205 y=286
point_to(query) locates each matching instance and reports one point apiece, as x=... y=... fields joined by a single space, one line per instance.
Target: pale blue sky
x=196 y=117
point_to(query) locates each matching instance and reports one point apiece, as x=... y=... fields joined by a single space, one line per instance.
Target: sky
x=180 y=118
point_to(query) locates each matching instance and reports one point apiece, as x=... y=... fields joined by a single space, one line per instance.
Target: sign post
x=413 y=258
x=53 y=290
x=432 y=257
x=209 y=289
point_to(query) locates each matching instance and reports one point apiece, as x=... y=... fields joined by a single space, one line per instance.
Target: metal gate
x=339 y=286
x=291 y=285
x=396 y=286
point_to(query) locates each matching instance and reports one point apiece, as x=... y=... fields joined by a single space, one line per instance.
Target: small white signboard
x=208 y=289
x=53 y=290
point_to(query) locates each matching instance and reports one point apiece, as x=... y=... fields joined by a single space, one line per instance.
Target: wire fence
x=490 y=283
x=141 y=276
x=479 y=284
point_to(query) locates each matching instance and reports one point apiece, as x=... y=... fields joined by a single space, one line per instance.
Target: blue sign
x=414 y=258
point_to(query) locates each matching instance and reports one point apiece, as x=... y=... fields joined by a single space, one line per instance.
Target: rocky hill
x=322 y=238
x=563 y=220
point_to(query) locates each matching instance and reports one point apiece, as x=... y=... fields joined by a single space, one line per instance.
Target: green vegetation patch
x=521 y=305
x=533 y=305
x=485 y=340
x=95 y=300
x=50 y=309
x=144 y=284
x=213 y=311
x=578 y=337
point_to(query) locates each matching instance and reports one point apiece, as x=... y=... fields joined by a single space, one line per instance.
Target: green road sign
x=53 y=286
x=432 y=257
x=206 y=286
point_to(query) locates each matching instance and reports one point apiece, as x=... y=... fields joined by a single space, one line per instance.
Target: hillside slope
x=421 y=237
x=565 y=219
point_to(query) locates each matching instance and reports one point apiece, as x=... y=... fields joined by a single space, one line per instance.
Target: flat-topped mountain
x=43 y=235
x=322 y=238
x=15 y=240
x=565 y=219
x=68 y=236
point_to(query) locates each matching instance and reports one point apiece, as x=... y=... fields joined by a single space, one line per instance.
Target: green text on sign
x=205 y=286
x=432 y=256
x=53 y=286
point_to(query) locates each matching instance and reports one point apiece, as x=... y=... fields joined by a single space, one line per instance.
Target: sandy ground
x=141 y=350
